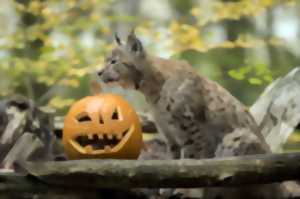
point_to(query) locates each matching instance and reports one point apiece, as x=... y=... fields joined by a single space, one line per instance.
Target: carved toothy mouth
x=97 y=143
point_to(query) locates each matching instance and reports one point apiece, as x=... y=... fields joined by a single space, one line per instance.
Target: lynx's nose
x=100 y=73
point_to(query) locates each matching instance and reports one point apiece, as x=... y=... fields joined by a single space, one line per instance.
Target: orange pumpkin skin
x=102 y=126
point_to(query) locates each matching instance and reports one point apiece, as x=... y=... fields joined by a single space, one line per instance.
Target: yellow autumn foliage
x=57 y=45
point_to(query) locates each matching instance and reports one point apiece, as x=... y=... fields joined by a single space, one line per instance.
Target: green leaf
x=236 y=75
x=268 y=78
x=255 y=81
x=58 y=102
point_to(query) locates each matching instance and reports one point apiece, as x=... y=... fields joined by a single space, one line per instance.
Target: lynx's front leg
x=181 y=117
x=168 y=131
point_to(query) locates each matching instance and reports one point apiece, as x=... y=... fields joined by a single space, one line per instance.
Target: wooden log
x=15 y=185
x=233 y=171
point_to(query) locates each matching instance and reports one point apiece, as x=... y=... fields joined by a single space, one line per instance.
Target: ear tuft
x=118 y=40
x=133 y=44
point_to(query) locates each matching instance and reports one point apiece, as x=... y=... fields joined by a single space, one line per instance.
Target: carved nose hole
x=83 y=117
x=101 y=119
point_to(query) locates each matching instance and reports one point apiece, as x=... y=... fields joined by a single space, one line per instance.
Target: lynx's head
x=125 y=63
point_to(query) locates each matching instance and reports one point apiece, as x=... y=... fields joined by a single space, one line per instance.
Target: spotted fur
x=194 y=113
x=198 y=117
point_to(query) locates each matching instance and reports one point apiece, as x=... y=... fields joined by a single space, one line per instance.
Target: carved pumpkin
x=102 y=126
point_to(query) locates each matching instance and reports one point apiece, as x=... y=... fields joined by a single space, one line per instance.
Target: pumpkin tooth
x=107 y=148
x=100 y=136
x=110 y=136
x=90 y=136
x=119 y=136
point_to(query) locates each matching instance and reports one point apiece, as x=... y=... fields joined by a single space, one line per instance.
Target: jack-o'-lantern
x=102 y=126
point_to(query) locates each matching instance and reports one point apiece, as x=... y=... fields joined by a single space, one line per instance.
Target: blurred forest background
x=50 y=49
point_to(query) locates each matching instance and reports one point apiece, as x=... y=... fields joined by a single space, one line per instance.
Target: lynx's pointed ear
x=118 y=40
x=134 y=45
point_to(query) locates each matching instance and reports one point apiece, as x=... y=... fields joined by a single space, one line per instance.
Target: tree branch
x=277 y=110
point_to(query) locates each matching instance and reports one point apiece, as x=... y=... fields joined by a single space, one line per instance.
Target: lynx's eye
x=113 y=61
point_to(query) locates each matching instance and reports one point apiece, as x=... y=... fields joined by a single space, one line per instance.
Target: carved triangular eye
x=115 y=115
x=83 y=117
